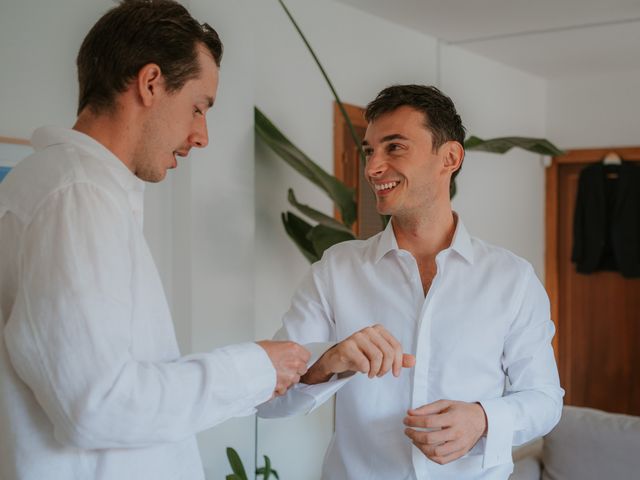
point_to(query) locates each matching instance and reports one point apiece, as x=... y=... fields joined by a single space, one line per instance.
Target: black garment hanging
x=606 y=228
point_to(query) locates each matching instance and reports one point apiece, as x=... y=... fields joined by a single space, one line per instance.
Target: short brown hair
x=134 y=34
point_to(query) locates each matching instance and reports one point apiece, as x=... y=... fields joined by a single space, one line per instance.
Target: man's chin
x=383 y=209
x=152 y=177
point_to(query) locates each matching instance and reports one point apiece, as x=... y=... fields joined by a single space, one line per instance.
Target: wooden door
x=598 y=315
x=349 y=169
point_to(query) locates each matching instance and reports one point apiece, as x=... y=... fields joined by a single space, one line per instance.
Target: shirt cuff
x=500 y=424
x=301 y=399
x=255 y=371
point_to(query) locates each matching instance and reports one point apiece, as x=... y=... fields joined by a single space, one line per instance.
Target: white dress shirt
x=92 y=385
x=482 y=334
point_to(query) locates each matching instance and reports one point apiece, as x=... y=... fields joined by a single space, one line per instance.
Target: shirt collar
x=47 y=136
x=461 y=242
x=386 y=243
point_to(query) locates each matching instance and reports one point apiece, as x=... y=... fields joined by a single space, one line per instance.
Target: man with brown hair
x=92 y=385
x=478 y=375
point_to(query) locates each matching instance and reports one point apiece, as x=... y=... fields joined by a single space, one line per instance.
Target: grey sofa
x=586 y=444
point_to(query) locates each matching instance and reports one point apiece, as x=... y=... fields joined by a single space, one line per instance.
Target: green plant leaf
x=298 y=230
x=236 y=464
x=316 y=215
x=261 y=470
x=232 y=476
x=504 y=144
x=267 y=471
x=323 y=237
x=267 y=467
x=341 y=195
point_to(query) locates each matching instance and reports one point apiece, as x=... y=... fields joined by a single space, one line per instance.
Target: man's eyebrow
x=207 y=99
x=393 y=136
x=387 y=138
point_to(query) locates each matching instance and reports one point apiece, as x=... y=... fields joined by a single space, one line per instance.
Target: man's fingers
x=373 y=353
x=381 y=351
x=431 y=408
x=300 y=367
x=448 y=448
x=435 y=437
x=355 y=358
x=435 y=453
x=397 y=350
x=408 y=360
x=428 y=421
x=447 y=452
x=287 y=383
x=379 y=337
x=289 y=361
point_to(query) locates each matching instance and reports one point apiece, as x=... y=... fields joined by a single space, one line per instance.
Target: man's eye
x=197 y=111
x=392 y=147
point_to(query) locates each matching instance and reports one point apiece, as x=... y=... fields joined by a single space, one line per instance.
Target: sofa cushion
x=591 y=444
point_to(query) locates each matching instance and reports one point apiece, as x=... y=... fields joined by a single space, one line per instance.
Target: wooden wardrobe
x=597 y=316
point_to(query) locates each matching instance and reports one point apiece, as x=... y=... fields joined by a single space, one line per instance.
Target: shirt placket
x=423 y=356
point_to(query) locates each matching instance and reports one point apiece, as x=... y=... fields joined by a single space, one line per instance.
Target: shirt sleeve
x=309 y=322
x=69 y=337
x=532 y=403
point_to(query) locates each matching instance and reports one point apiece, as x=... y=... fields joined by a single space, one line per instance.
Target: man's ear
x=453 y=155
x=149 y=83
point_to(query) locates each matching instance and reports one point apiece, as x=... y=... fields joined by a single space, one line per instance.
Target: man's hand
x=372 y=350
x=455 y=428
x=290 y=361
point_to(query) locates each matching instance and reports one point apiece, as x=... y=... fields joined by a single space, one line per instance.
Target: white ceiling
x=549 y=38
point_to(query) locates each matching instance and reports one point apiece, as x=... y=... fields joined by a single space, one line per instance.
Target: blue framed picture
x=12 y=150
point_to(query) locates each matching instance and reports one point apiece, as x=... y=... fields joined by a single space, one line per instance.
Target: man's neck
x=426 y=235
x=108 y=130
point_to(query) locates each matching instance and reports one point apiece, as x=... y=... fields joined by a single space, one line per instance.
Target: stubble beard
x=145 y=161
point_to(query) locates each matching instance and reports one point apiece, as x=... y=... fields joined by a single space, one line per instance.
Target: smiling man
x=462 y=325
x=92 y=385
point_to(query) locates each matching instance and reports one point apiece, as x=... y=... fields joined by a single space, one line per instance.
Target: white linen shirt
x=92 y=385
x=482 y=334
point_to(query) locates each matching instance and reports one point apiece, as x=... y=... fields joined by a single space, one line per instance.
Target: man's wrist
x=317 y=373
x=485 y=420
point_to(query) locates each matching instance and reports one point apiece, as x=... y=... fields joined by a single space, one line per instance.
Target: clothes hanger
x=612 y=158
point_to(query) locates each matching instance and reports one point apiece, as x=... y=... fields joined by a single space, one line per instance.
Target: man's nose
x=200 y=136
x=374 y=166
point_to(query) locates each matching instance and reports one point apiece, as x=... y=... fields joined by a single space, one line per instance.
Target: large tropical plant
x=312 y=240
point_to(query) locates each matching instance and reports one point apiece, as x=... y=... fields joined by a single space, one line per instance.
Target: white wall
x=222 y=219
x=500 y=197
x=598 y=110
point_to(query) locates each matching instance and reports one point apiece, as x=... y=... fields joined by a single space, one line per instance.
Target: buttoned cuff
x=500 y=424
